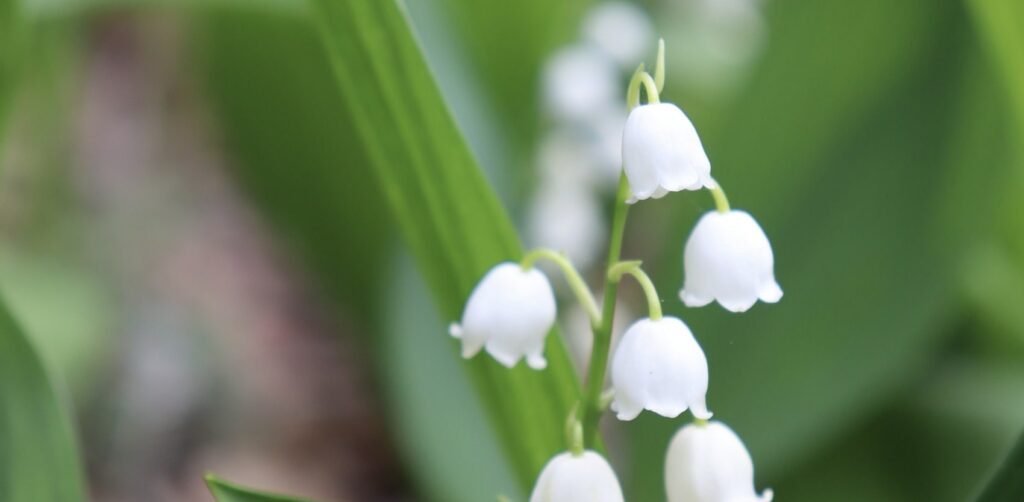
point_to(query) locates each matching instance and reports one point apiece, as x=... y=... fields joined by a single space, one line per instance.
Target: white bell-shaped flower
x=659 y=366
x=509 y=313
x=662 y=153
x=708 y=463
x=586 y=477
x=728 y=259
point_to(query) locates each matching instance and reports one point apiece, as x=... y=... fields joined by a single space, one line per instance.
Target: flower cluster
x=658 y=365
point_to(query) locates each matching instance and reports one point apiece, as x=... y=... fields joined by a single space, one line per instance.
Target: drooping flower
x=708 y=463
x=509 y=313
x=728 y=259
x=586 y=477
x=662 y=153
x=659 y=366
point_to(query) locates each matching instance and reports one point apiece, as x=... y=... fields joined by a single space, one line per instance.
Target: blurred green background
x=235 y=233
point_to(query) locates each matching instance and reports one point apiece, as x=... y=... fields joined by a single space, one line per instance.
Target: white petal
x=509 y=313
x=708 y=463
x=662 y=153
x=728 y=258
x=659 y=366
x=770 y=291
x=583 y=478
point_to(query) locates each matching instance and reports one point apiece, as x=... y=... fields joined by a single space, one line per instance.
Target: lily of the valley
x=659 y=366
x=728 y=259
x=707 y=462
x=509 y=314
x=662 y=153
x=583 y=477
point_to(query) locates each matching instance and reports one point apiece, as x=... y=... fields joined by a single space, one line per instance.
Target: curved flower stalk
x=659 y=366
x=577 y=477
x=509 y=313
x=707 y=462
x=728 y=259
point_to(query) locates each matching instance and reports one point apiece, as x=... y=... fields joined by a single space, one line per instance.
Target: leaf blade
x=447 y=213
x=224 y=491
x=39 y=455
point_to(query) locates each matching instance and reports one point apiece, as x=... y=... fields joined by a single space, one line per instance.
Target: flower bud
x=659 y=366
x=577 y=478
x=509 y=313
x=662 y=153
x=728 y=258
x=708 y=463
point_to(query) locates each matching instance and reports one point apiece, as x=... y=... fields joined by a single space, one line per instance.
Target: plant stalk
x=603 y=331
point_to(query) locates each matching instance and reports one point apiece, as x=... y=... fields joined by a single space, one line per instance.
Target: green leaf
x=224 y=491
x=448 y=215
x=443 y=433
x=1008 y=483
x=1001 y=24
x=8 y=54
x=293 y=148
x=38 y=454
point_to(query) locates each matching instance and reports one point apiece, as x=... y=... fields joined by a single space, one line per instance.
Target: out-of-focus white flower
x=565 y=212
x=577 y=478
x=566 y=156
x=662 y=153
x=715 y=42
x=607 y=145
x=659 y=366
x=708 y=463
x=621 y=30
x=579 y=82
x=728 y=259
x=509 y=313
x=567 y=217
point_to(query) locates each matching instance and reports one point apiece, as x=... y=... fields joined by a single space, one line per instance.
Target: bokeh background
x=194 y=237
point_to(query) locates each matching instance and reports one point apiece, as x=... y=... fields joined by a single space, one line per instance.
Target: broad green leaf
x=38 y=454
x=446 y=212
x=274 y=125
x=444 y=434
x=293 y=149
x=1001 y=26
x=224 y=491
x=9 y=34
x=1008 y=483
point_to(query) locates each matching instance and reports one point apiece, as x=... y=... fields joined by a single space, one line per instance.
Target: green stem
x=652 y=88
x=633 y=268
x=633 y=91
x=721 y=201
x=659 y=66
x=603 y=332
x=576 y=283
x=574 y=431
